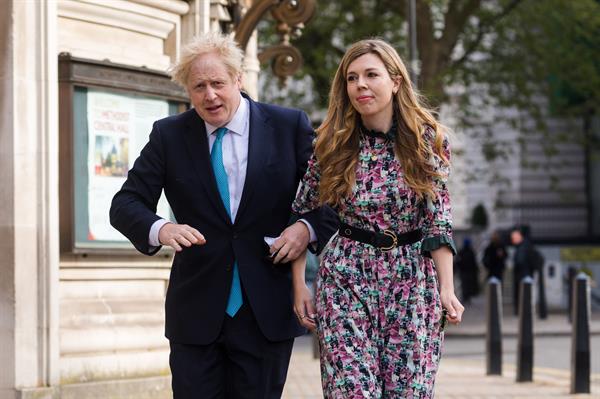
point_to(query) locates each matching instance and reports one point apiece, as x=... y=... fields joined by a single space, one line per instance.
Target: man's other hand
x=178 y=235
x=292 y=242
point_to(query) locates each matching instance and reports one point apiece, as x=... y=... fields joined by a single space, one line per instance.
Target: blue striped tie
x=216 y=159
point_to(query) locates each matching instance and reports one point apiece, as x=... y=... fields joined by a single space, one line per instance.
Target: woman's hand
x=453 y=306
x=442 y=257
x=304 y=307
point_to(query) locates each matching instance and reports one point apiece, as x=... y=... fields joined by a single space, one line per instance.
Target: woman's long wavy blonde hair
x=337 y=144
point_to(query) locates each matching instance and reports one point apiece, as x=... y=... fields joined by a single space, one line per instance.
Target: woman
x=381 y=161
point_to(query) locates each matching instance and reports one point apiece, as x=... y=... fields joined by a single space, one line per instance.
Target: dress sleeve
x=307 y=196
x=436 y=216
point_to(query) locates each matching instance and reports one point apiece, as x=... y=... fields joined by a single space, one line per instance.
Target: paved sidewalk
x=457 y=379
x=463 y=378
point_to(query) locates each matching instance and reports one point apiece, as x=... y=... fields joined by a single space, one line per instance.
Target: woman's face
x=370 y=88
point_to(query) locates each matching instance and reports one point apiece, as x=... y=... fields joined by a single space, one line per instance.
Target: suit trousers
x=240 y=364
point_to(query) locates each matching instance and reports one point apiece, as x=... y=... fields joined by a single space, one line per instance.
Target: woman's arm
x=303 y=302
x=442 y=257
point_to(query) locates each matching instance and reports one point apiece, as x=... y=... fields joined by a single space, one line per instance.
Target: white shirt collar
x=238 y=123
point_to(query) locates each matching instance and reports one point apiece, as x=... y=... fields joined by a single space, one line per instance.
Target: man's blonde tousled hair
x=337 y=144
x=211 y=42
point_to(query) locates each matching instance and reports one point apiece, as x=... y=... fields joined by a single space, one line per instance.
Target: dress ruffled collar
x=390 y=135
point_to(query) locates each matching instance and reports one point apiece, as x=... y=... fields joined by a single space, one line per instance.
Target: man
x=525 y=262
x=229 y=168
x=468 y=271
x=494 y=256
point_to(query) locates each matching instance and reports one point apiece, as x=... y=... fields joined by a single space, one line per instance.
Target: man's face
x=516 y=237
x=214 y=93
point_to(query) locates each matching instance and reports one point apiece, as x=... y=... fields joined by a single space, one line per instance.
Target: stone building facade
x=79 y=324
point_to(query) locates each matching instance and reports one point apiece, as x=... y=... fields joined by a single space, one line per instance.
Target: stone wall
x=79 y=325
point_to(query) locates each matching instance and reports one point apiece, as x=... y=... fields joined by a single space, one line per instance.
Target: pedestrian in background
x=381 y=161
x=468 y=271
x=525 y=262
x=494 y=257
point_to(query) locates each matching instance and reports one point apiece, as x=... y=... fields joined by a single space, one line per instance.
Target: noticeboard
x=106 y=115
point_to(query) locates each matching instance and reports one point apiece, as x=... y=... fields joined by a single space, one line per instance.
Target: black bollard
x=525 y=341
x=542 y=303
x=580 y=336
x=571 y=273
x=493 y=338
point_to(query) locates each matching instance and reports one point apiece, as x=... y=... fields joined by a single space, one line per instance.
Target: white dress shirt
x=235 y=161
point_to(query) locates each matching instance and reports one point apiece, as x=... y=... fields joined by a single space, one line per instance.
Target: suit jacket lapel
x=197 y=146
x=259 y=150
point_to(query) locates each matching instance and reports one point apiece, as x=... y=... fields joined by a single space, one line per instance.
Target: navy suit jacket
x=177 y=159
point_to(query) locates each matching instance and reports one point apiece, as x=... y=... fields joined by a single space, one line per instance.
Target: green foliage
x=546 y=49
x=524 y=59
x=323 y=42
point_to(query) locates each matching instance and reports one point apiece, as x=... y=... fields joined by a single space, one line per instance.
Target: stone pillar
x=251 y=63
x=251 y=68
x=196 y=21
x=28 y=198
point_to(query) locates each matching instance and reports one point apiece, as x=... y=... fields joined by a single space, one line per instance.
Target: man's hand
x=292 y=242
x=175 y=235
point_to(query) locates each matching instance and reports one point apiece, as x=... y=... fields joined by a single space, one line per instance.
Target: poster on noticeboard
x=118 y=127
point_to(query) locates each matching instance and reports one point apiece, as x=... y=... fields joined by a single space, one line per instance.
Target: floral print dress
x=379 y=312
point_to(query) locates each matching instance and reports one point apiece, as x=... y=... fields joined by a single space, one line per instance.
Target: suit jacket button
x=228 y=268
x=235 y=236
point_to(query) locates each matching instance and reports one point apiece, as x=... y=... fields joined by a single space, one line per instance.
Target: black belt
x=385 y=240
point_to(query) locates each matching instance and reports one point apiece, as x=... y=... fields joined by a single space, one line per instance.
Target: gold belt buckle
x=391 y=234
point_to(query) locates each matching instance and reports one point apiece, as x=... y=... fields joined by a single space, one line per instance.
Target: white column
x=29 y=196
x=251 y=67
x=251 y=63
x=196 y=21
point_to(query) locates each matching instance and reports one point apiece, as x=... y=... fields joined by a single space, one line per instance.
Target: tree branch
x=484 y=27
x=454 y=23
